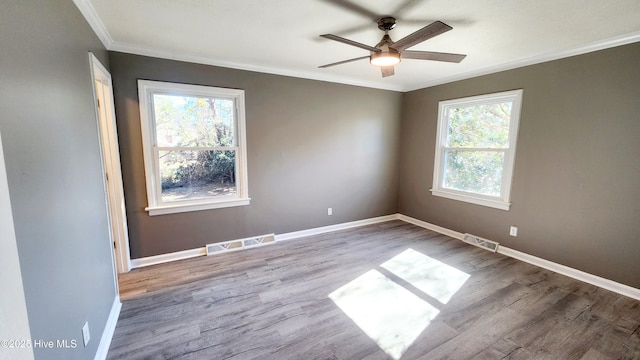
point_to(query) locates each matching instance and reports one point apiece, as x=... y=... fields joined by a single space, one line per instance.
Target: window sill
x=180 y=208
x=465 y=197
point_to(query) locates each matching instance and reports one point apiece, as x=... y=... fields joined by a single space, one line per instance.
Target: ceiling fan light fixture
x=384 y=58
x=388 y=53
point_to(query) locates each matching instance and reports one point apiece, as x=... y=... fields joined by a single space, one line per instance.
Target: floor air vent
x=481 y=243
x=233 y=245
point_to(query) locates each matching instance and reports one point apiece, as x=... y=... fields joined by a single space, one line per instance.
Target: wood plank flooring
x=273 y=303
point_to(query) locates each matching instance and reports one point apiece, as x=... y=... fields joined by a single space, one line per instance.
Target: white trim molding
x=302 y=74
x=538 y=59
x=148 y=94
x=429 y=226
x=534 y=260
x=554 y=55
x=92 y=17
x=336 y=227
x=179 y=208
x=601 y=282
x=168 y=257
x=448 y=111
x=598 y=281
x=111 y=167
x=109 y=329
x=202 y=251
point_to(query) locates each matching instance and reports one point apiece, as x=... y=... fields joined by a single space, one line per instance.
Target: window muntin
x=194 y=146
x=475 y=148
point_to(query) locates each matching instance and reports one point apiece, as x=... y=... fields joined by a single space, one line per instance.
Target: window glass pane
x=479 y=126
x=190 y=175
x=193 y=121
x=474 y=171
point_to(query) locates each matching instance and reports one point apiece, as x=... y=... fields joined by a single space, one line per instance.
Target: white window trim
x=146 y=90
x=499 y=202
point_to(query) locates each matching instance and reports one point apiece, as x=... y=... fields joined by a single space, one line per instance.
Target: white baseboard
x=109 y=329
x=163 y=258
x=546 y=264
x=336 y=227
x=429 y=226
x=191 y=253
x=573 y=273
x=607 y=284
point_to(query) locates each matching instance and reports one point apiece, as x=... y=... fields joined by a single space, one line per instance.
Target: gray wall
x=53 y=163
x=311 y=145
x=576 y=192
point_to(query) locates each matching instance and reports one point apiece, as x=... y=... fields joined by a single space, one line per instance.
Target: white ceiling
x=281 y=36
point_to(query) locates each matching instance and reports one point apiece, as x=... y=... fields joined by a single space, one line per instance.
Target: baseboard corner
x=336 y=227
x=583 y=276
x=109 y=330
x=580 y=275
x=432 y=227
x=164 y=258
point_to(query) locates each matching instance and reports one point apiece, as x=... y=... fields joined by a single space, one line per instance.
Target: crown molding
x=550 y=56
x=538 y=59
x=152 y=52
x=90 y=14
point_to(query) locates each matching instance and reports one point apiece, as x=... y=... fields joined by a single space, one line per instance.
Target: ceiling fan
x=388 y=53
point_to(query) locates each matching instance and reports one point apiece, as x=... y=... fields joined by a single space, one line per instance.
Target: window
x=475 y=148
x=194 y=147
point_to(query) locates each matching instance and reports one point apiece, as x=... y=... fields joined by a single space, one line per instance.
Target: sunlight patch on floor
x=431 y=276
x=391 y=314
x=388 y=313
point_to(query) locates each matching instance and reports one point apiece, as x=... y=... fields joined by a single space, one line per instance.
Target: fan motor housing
x=386 y=23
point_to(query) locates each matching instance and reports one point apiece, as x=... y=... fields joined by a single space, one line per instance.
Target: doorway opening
x=103 y=91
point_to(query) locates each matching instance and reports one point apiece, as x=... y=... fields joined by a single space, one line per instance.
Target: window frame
x=146 y=90
x=503 y=200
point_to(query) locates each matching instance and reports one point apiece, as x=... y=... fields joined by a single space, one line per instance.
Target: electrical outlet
x=513 y=231
x=329 y=211
x=85 y=333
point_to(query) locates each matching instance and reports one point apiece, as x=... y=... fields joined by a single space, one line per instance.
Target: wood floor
x=299 y=300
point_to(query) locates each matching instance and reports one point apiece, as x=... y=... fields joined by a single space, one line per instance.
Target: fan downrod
x=386 y=23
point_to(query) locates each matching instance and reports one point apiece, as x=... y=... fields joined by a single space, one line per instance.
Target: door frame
x=108 y=137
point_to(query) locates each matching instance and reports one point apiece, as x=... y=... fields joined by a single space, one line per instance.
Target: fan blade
x=429 y=55
x=343 y=62
x=387 y=71
x=405 y=6
x=350 y=42
x=354 y=29
x=434 y=29
x=355 y=8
